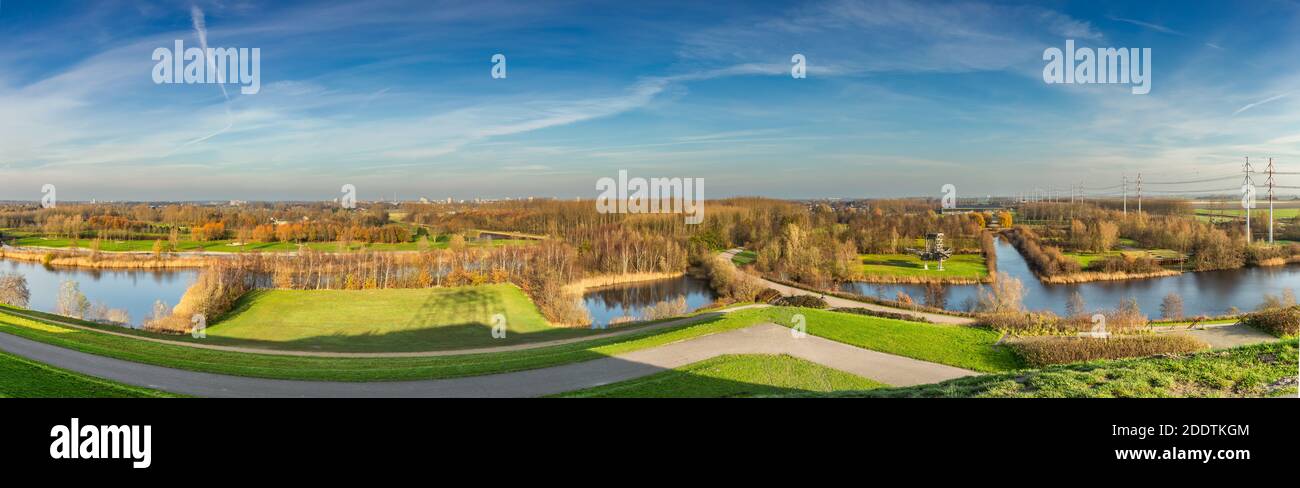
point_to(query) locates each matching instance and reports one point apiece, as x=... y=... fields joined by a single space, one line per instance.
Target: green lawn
x=966 y=266
x=1086 y=258
x=744 y=375
x=1248 y=371
x=390 y=320
x=744 y=257
x=958 y=346
x=1278 y=213
x=20 y=378
x=964 y=347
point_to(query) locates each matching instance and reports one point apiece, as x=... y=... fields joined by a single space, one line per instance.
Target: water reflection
x=1207 y=293
x=131 y=290
x=624 y=302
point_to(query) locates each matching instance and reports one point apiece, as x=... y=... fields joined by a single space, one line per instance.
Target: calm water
x=132 y=290
x=613 y=302
x=1208 y=293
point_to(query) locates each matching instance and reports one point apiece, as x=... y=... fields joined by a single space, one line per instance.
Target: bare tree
x=1005 y=295
x=1171 y=307
x=72 y=302
x=1075 y=306
x=13 y=290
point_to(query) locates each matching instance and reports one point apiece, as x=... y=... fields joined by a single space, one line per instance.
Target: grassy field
x=958 y=346
x=21 y=378
x=964 y=347
x=1278 y=213
x=1086 y=258
x=1266 y=370
x=145 y=245
x=744 y=257
x=392 y=320
x=969 y=266
x=743 y=375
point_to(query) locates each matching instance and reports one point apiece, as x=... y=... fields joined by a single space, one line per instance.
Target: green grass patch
x=388 y=320
x=961 y=346
x=965 y=347
x=23 y=378
x=744 y=375
x=744 y=257
x=969 y=266
x=1260 y=370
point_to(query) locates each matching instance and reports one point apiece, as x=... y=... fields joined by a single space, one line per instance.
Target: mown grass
x=23 y=378
x=1260 y=370
x=967 y=266
x=965 y=347
x=730 y=376
x=744 y=257
x=389 y=320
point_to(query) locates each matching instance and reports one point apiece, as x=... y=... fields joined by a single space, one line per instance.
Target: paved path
x=1225 y=336
x=618 y=331
x=758 y=339
x=838 y=302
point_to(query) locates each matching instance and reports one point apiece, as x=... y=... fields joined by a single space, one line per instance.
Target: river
x=1203 y=293
x=131 y=290
x=615 y=302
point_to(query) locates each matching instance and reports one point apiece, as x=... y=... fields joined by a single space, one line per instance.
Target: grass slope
x=743 y=375
x=958 y=346
x=1267 y=369
x=970 y=266
x=391 y=320
x=21 y=378
x=964 y=347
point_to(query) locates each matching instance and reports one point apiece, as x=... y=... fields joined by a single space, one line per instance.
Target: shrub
x=1043 y=351
x=13 y=290
x=1026 y=323
x=1280 y=322
x=1126 y=264
x=768 y=295
x=665 y=309
x=805 y=301
x=882 y=314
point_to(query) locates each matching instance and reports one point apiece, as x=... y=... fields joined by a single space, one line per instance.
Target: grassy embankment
x=964 y=347
x=1266 y=370
x=392 y=320
x=743 y=375
x=20 y=377
x=909 y=268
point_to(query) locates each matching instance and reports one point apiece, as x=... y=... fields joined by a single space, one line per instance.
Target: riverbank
x=595 y=282
x=74 y=259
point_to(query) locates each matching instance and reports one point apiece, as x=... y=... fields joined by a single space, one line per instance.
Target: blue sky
x=396 y=97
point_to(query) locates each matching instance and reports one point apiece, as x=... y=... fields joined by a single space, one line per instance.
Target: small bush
x=805 y=301
x=665 y=309
x=1043 y=351
x=767 y=296
x=1280 y=322
x=882 y=314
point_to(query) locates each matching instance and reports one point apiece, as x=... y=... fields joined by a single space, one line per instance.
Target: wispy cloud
x=1148 y=25
x=1249 y=106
